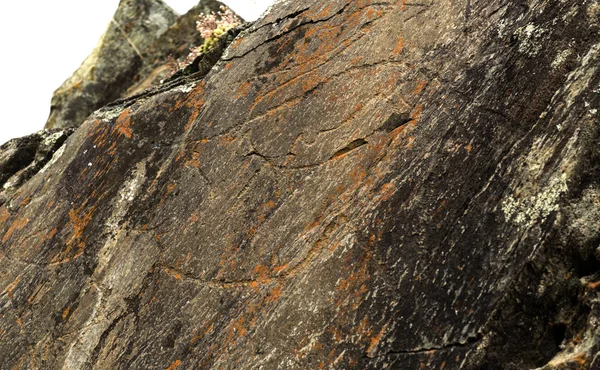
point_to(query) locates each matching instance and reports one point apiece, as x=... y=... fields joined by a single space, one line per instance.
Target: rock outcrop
x=24 y=157
x=354 y=184
x=130 y=57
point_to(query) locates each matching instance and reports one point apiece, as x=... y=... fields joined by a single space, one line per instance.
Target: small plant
x=211 y=27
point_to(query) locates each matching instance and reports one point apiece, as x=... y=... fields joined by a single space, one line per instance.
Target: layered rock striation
x=354 y=184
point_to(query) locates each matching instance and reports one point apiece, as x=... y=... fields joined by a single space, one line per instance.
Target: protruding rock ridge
x=130 y=57
x=175 y=43
x=108 y=71
x=353 y=185
x=22 y=158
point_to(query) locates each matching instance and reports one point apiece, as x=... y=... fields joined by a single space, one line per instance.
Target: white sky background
x=44 y=42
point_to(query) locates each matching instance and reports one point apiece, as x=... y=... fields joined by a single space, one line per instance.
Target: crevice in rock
x=395 y=120
x=196 y=71
x=348 y=148
x=467 y=344
x=278 y=36
x=289 y=16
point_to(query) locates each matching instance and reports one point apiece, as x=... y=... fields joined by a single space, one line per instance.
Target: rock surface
x=175 y=42
x=130 y=57
x=354 y=185
x=107 y=72
x=24 y=157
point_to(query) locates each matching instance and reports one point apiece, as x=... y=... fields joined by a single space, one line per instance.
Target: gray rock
x=353 y=185
x=130 y=58
x=22 y=158
x=107 y=73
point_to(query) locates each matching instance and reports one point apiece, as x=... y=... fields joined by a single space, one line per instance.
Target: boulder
x=353 y=184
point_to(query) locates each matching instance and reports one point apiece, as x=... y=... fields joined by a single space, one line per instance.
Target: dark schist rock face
x=354 y=185
x=22 y=158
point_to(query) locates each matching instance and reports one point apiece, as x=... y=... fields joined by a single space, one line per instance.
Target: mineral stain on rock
x=349 y=184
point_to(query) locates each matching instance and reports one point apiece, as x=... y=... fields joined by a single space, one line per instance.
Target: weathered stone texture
x=22 y=158
x=130 y=57
x=107 y=72
x=175 y=42
x=355 y=185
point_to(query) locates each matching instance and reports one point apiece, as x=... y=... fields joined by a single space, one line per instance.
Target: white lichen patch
x=560 y=58
x=501 y=30
x=531 y=202
x=577 y=82
x=530 y=39
x=108 y=115
x=572 y=353
x=579 y=79
x=127 y=194
x=116 y=279
x=185 y=88
x=160 y=22
x=50 y=139
x=593 y=13
x=9 y=184
x=529 y=210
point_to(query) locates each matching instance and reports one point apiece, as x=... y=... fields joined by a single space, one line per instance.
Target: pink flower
x=208 y=23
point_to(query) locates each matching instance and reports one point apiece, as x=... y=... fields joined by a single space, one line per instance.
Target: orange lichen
x=274 y=294
x=374 y=342
x=174 y=365
x=4 y=215
x=420 y=87
x=80 y=221
x=236 y=43
x=25 y=202
x=279 y=269
x=49 y=235
x=194 y=218
x=174 y=274
x=65 y=313
x=593 y=285
x=226 y=140
x=243 y=90
x=170 y=189
x=193 y=100
x=399 y=46
x=191 y=120
x=387 y=190
x=416 y=113
x=262 y=276
x=581 y=360
x=17 y=225
x=238 y=327
x=194 y=161
x=123 y=125
x=10 y=289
